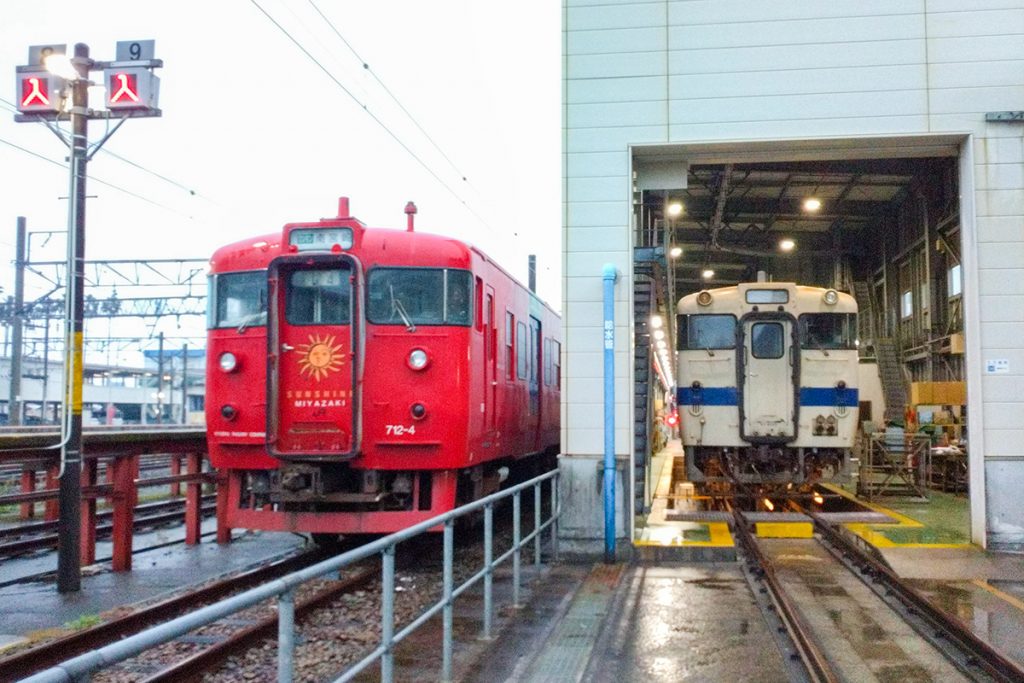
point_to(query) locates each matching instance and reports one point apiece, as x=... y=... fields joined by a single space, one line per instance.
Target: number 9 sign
x=135 y=50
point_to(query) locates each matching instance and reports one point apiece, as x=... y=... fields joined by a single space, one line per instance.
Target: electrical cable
x=153 y=173
x=388 y=91
x=12 y=108
x=373 y=116
x=98 y=180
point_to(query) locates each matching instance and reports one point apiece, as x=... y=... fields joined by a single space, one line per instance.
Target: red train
x=361 y=379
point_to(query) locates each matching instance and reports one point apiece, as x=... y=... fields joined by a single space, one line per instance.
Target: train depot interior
x=883 y=225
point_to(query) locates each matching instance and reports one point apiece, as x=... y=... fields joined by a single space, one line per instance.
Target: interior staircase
x=643 y=306
x=894 y=385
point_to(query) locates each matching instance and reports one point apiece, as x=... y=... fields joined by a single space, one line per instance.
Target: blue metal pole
x=610 y=276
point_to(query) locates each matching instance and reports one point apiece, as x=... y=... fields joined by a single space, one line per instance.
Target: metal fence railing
x=79 y=668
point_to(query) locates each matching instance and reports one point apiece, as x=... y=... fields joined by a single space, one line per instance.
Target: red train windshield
x=312 y=358
x=240 y=300
x=419 y=296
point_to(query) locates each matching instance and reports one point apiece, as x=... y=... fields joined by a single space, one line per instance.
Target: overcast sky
x=263 y=136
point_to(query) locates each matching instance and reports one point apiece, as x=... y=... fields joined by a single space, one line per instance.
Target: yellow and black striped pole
x=69 y=570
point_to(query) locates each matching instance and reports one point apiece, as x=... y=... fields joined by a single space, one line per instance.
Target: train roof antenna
x=410 y=211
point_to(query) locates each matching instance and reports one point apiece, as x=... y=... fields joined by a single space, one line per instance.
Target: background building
x=904 y=117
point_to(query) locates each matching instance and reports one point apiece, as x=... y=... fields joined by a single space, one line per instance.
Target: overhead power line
x=153 y=173
x=387 y=90
x=10 y=106
x=369 y=113
x=94 y=179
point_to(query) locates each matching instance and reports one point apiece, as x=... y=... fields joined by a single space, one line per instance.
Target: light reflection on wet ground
x=686 y=623
x=862 y=637
x=993 y=609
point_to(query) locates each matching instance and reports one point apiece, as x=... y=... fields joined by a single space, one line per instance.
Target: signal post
x=52 y=88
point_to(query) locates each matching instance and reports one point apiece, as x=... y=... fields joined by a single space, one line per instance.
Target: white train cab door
x=768 y=392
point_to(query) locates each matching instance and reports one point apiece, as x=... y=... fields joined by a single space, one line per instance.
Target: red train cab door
x=314 y=357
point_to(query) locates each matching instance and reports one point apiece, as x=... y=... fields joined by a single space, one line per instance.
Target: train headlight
x=704 y=298
x=830 y=425
x=417 y=359
x=228 y=362
x=819 y=425
x=418 y=411
x=831 y=297
x=228 y=412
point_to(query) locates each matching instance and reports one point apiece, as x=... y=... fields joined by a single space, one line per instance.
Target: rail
x=120 y=452
x=973 y=655
x=816 y=664
x=284 y=590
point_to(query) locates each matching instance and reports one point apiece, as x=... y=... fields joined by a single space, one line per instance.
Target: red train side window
x=510 y=346
x=479 y=307
x=522 y=355
x=556 y=360
x=547 y=362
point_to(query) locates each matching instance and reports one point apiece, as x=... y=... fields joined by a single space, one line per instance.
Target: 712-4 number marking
x=399 y=430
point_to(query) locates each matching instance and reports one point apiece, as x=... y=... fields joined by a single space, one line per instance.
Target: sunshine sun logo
x=320 y=357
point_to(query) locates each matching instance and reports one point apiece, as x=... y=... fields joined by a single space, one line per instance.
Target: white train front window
x=766 y=340
x=767 y=296
x=706 y=332
x=828 y=330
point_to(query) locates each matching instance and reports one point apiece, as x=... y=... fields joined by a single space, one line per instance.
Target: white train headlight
x=227 y=361
x=704 y=298
x=831 y=297
x=417 y=359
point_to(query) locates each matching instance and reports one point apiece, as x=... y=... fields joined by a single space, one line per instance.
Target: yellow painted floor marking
x=662 y=533
x=867 y=530
x=671 y=535
x=720 y=535
x=1016 y=602
x=784 y=529
x=901 y=519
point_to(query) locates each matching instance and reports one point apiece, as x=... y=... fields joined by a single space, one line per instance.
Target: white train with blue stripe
x=767 y=382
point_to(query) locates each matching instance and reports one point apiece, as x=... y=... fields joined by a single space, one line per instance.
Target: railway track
x=338 y=619
x=23 y=538
x=248 y=635
x=47 y=654
x=10 y=474
x=848 y=617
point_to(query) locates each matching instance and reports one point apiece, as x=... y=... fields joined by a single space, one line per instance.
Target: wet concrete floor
x=624 y=623
x=866 y=641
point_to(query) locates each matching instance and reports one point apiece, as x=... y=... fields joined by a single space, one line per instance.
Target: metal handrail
x=284 y=587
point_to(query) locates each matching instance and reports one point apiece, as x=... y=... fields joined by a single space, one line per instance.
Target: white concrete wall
x=689 y=71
